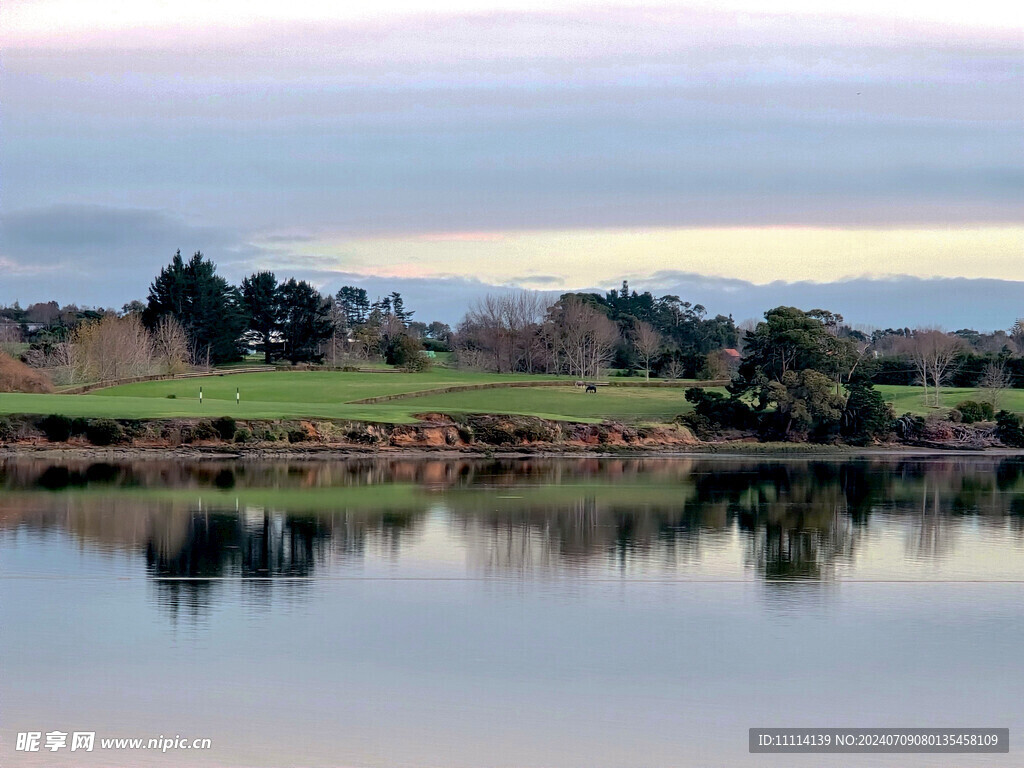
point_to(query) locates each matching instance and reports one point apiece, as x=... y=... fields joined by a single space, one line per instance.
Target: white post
x=200 y=395
x=238 y=396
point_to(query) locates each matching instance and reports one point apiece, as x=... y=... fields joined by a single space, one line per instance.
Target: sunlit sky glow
x=530 y=143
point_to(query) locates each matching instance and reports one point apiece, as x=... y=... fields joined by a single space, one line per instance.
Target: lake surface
x=541 y=612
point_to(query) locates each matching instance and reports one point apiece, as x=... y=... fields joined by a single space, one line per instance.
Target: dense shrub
x=866 y=415
x=508 y=430
x=418 y=364
x=243 y=435
x=701 y=426
x=535 y=430
x=436 y=345
x=1009 y=429
x=273 y=433
x=7 y=430
x=15 y=376
x=104 y=432
x=225 y=427
x=56 y=427
x=719 y=411
x=463 y=426
x=204 y=430
x=358 y=433
x=973 y=411
x=406 y=352
x=892 y=370
x=298 y=436
x=494 y=432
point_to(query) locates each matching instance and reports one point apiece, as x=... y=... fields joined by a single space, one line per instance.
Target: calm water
x=511 y=613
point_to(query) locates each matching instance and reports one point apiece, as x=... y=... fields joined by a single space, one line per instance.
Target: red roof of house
x=732 y=352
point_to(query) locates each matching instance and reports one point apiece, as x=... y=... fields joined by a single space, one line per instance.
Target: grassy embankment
x=331 y=395
x=910 y=399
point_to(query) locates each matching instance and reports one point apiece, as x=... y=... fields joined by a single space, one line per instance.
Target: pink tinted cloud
x=462 y=237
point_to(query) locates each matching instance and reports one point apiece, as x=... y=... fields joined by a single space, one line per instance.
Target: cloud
x=472 y=123
x=467 y=142
x=90 y=254
x=897 y=301
x=58 y=232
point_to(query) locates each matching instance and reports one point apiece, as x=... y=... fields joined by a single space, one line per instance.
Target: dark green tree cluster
x=354 y=305
x=866 y=416
x=305 y=320
x=356 y=310
x=688 y=333
x=1010 y=429
x=790 y=384
x=386 y=327
x=260 y=294
x=209 y=308
x=793 y=367
x=291 y=319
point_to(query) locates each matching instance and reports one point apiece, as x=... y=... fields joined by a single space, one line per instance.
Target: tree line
x=802 y=366
x=582 y=334
x=807 y=376
x=193 y=317
x=289 y=320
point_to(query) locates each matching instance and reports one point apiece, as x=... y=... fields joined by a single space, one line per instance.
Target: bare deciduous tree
x=648 y=343
x=584 y=338
x=503 y=333
x=933 y=354
x=112 y=348
x=673 y=370
x=170 y=346
x=994 y=380
x=62 y=361
x=942 y=350
x=10 y=338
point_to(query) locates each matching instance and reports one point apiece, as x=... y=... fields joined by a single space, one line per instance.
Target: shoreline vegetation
x=273 y=367
x=433 y=434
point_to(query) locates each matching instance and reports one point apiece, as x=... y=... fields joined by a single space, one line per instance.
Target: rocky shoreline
x=433 y=435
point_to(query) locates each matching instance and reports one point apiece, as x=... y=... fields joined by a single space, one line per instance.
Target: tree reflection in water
x=274 y=524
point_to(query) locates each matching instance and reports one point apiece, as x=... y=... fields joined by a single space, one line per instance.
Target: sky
x=745 y=153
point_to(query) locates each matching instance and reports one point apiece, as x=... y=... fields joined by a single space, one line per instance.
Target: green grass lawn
x=301 y=388
x=94 y=406
x=910 y=399
x=629 y=404
x=327 y=394
x=330 y=395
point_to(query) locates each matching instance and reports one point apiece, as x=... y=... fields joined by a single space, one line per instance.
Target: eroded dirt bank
x=434 y=432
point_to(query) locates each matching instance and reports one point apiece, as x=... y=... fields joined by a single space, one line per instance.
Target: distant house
x=722 y=364
x=729 y=362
